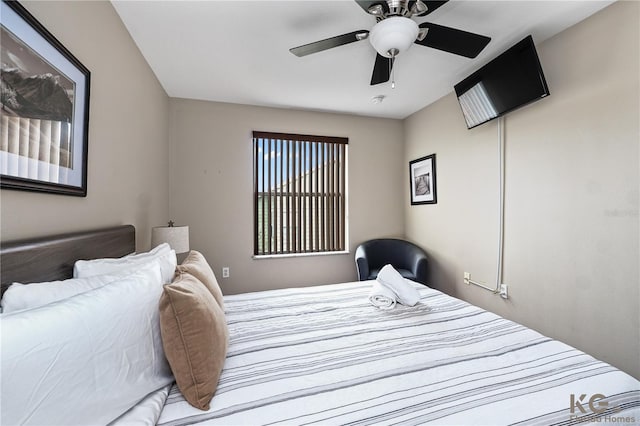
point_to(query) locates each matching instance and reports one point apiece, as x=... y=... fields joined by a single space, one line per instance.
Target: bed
x=324 y=355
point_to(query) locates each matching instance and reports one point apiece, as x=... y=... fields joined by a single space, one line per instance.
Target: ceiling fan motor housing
x=393 y=35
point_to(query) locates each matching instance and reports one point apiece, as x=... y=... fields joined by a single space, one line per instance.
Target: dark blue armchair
x=406 y=257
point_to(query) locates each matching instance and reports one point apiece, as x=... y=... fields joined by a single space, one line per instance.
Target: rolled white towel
x=405 y=293
x=382 y=297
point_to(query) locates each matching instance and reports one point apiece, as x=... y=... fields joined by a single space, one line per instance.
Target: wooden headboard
x=51 y=258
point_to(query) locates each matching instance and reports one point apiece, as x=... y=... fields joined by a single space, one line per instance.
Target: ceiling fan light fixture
x=395 y=34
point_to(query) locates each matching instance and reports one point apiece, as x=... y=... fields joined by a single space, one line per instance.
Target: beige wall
x=128 y=133
x=572 y=180
x=212 y=187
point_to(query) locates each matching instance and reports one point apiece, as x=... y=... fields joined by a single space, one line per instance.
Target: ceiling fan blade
x=365 y=5
x=453 y=41
x=431 y=6
x=381 y=70
x=329 y=43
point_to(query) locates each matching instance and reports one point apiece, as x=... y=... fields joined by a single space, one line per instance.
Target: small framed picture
x=44 y=108
x=422 y=180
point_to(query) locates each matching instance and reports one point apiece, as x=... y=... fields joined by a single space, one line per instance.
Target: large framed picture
x=45 y=108
x=422 y=180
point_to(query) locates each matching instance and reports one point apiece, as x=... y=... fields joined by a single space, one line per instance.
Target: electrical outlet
x=467 y=277
x=225 y=272
x=503 y=291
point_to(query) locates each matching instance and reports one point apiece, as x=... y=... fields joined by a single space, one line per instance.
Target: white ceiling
x=238 y=51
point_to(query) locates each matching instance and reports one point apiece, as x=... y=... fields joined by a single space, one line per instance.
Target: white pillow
x=85 y=359
x=28 y=296
x=146 y=412
x=163 y=252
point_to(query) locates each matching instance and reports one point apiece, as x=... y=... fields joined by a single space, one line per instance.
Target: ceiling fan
x=395 y=31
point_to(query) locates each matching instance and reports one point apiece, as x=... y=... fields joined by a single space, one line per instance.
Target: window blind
x=299 y=193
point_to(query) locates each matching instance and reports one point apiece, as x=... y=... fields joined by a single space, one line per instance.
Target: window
x=299 y=193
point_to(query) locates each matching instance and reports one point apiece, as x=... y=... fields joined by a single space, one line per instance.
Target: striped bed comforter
x=324 y=355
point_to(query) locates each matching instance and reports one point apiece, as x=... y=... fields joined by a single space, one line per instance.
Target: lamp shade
x=393 y=34
x=176 y=236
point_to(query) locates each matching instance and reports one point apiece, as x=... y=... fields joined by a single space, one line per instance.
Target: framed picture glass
x=422 y=180
x=45 y=108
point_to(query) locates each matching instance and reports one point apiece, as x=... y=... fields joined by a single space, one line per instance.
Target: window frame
x=313 y=203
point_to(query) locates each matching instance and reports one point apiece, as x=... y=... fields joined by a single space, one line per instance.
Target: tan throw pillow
x=194 y=337
x=196 y=265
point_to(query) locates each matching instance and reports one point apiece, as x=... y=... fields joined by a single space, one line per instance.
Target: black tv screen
x=509 y=81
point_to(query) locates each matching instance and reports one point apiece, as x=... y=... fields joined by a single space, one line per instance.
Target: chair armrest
x=362 y=265
x=420 y=268
x=418 y=264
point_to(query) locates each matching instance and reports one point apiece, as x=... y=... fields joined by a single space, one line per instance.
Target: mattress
x=324 y=355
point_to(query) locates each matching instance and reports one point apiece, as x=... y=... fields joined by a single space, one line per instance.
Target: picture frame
x=44 y=108
x=422 y=180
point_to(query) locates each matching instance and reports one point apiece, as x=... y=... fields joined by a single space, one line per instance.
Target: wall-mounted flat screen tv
x=508 y=82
